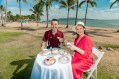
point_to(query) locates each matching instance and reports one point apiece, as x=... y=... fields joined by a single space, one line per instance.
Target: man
x=53 y=38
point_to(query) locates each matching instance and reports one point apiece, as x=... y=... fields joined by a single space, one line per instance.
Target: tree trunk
x=67 y=18
x=37 y=20
x=2 y=20
x=20 y=13
x=6 y=13
x=86 y=12
x=47 y=16
x=76 y=12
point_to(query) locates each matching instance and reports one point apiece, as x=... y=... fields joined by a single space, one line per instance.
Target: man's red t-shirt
x=52 y=39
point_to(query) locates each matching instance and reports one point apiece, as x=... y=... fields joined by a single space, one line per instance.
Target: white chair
x=93 y=68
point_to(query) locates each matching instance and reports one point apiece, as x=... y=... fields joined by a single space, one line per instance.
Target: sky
x=101 y=11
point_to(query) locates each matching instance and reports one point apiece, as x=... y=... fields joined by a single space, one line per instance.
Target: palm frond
x=80 y=4
x=92 y=3
x=72 y=8
x=63 y=4
x=17 y=0
x=31 y=10
x=37 y=1
x=25 y=1
x=112 y=4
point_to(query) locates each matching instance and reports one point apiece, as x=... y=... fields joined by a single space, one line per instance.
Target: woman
x=82 y=59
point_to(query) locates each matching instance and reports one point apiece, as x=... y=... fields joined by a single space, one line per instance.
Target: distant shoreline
x=114 y=23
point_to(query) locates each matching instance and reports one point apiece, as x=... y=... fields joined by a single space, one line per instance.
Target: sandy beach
x=98 y=35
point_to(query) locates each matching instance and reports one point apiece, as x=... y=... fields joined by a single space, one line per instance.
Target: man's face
x=54 y=25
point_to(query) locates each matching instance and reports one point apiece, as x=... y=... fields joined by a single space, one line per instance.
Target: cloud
x=111 y=1
x=55 y=12
x=15 y=10
x=104 y=14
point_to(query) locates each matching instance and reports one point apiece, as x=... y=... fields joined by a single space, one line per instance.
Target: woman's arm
x=73 y=47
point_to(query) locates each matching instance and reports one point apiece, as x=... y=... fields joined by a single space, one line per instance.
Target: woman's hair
x=85 y=32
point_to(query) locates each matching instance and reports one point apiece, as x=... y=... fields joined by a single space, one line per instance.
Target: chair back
x=99 y=55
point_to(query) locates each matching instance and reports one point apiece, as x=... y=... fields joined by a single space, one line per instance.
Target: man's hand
x=60 y=39
x=43 y=45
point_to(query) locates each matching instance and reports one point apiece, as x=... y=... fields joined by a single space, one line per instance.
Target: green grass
x=5 y=36
x=111 y=45
x=17 y=57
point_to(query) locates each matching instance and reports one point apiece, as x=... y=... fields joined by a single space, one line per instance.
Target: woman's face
x=80 y=29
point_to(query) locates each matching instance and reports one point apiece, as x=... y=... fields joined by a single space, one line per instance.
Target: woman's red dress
x=82 y=62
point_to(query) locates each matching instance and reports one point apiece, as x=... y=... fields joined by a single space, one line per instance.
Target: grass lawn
x=17 y=54
x=18 y=51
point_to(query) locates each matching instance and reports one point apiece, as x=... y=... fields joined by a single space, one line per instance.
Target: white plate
x=46 y=52
x=55 y=50
x=63 y=59
x=63 y=52
x=49 y=61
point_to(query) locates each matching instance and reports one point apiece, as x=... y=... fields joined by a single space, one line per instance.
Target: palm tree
x=77 y=5
x=9 y=13
x=32 y=17
x=1 y=13
x=91 y=2
x=17 y=17
x=19 y=1
x=38 y=10
x=116 y=1
x=6 y=12
x=47 y=4
x=69 y=4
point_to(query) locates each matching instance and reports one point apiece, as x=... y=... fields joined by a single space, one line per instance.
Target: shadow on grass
x=32 y=28
x=28 y=28
x=72 y=32
x=23 y=69
x=97 y=34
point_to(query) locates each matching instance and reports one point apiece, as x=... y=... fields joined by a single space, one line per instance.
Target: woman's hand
x=73 y=47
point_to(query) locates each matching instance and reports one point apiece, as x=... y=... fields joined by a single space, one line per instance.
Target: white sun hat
x=81 y=23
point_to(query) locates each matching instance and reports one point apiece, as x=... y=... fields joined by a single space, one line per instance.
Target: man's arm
x=43 y=45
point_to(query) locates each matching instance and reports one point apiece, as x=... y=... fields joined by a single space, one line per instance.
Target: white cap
x=81 y=23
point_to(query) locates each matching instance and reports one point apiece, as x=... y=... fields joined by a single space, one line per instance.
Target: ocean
x=92 y=22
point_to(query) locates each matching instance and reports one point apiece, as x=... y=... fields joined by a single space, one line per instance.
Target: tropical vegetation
x=19 y=1
x=2 y=9
x=69 y=4
x=38 y=10
x=91 y=2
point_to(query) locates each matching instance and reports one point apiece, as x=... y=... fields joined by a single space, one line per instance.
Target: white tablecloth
x=55 y=71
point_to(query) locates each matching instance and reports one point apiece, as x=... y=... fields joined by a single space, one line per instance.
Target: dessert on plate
x=49 y=60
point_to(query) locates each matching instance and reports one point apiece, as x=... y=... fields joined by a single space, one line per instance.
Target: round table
x=56 y=71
